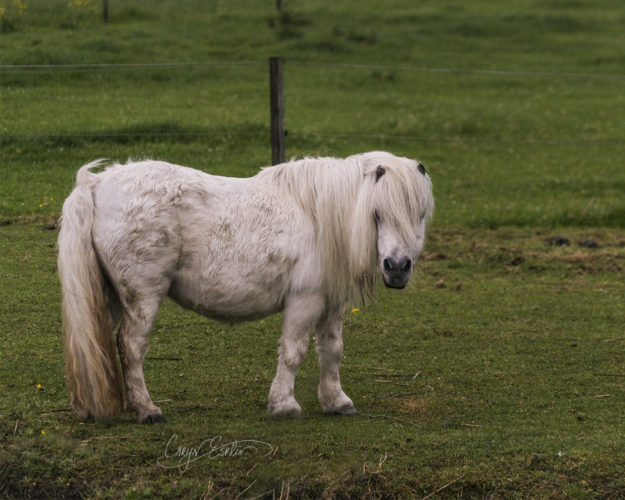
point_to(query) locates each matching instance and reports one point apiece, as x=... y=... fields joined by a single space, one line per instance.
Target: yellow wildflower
x=20 y=5
x=355 y=310
x=83 y=4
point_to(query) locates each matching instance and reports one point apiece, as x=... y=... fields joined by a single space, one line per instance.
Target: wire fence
x=462 y=71
x=60 y=68
x=71 y=68
x=38 y=69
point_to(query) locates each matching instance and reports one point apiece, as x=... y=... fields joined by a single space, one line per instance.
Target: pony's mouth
x=396 y=282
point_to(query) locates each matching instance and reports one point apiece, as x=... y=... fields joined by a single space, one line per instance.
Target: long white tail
x=92 y=371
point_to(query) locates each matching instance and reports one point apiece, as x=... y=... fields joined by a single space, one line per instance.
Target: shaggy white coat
x=302 y=237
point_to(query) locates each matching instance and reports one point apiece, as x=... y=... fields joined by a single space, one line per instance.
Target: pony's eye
x=376 y=214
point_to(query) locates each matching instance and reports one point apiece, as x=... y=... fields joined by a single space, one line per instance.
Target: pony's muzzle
x=396 y=272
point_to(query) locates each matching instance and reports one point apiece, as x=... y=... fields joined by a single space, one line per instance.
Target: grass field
x=499 y=372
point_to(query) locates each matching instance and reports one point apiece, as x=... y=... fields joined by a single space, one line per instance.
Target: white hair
x=303 y=237
x=339 y=197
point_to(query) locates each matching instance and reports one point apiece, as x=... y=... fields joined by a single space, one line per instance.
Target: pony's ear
x=379 y=172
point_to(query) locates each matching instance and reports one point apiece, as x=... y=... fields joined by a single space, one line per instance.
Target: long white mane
x=340 y=197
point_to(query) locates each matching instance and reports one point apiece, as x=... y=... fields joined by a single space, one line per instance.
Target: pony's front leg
x=330 y=350
x=300 y=315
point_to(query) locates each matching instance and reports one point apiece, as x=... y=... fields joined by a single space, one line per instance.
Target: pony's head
x=394 y=207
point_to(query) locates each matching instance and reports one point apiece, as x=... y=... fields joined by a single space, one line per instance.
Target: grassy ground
x=499 y=369
x=497 y=373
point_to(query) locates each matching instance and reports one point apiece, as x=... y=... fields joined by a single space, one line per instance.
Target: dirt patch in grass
x=574 y=251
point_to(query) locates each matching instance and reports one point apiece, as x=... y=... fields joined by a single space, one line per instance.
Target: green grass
x=502 y=348
x=497 y=373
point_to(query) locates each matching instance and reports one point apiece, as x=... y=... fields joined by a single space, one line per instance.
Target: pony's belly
x=228 y=301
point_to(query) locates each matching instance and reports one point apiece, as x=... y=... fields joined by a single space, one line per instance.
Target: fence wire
x=62 y=68
x=99 y=67
x=460 y=71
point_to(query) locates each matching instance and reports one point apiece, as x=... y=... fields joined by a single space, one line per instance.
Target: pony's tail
x=93 y=375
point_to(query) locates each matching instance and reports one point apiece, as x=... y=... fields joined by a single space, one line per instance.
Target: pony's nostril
x=407 y=266
x=387 y=265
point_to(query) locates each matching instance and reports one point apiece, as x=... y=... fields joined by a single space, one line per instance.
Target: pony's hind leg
x=300 y=315
x=330 y=350
x=132 y=343
x=137 y=240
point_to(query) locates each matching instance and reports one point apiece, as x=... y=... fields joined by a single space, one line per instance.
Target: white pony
x=303 y=237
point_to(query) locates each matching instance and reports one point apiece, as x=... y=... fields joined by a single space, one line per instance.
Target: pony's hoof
x=345 y=410
x=287 y=409
x=153 y=418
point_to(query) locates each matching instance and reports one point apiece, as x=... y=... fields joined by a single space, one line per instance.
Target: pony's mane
x=339 y=197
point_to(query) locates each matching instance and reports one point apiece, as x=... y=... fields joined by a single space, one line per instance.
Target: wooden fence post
x=105 y=11
x=276 y=97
